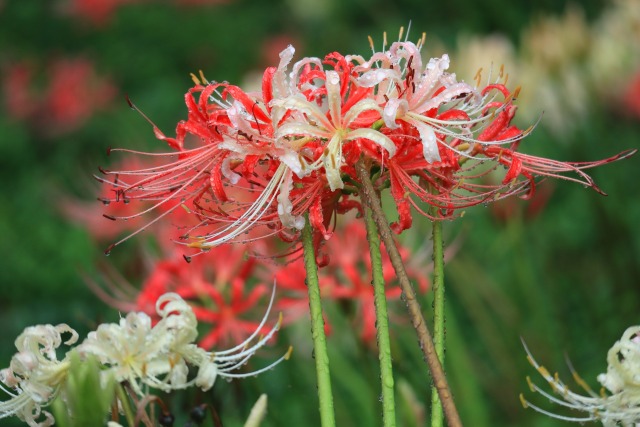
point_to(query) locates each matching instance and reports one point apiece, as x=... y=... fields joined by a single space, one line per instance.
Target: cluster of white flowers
x=133 y=350
x=566 y=63
x=35 y=373
x=619 y=407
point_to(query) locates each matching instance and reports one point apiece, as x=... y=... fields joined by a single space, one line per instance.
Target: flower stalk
x=325 y=395
x=125 y=404
x=438 y=314
x=382 y=321
x=425 y=340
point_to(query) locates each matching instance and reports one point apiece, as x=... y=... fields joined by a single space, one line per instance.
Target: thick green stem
x=438 y=315
x=325 y=396
x=415 y=313
x=382 y=321
x=125 y=405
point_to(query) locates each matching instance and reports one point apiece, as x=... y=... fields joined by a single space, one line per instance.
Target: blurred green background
x=562 y=272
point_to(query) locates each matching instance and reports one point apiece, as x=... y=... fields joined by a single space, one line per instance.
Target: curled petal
x=396 y=107
x=285 y=207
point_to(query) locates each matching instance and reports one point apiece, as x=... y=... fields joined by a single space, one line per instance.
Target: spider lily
x=622 y=381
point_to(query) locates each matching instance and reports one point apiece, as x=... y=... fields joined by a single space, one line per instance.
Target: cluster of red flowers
x=74 y=91
x=244 y=166
x=291 y=148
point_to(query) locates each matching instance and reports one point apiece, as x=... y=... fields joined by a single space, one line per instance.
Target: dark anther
x=107 y=251
x=254 y=117
x=102 y=170
x=187 y=258
x=129 y=102
x=244 y=134
x=198 y=413
x=166 y=419
x=112 y=218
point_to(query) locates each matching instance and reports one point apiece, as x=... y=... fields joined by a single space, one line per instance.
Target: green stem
x=438 y=315
x=126 y=406
x=425 y=341
x=382 y=320
x=325 y=396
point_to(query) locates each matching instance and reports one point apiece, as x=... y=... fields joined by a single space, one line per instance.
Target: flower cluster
x=35 y=373
x=133 y=350
x=291 y=148
x=622 y=380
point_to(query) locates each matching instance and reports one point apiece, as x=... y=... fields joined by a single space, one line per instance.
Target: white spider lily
x=35 y=374
x=619 y=407
x=158 y=356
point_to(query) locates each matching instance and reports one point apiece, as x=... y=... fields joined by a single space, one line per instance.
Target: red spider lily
x=217 y=285
x=74 y=93
x=290 y=149
x=275 y=179
x=463 y=135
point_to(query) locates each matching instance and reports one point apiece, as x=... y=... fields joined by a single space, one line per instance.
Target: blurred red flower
x=72 y=94
x=631 y=97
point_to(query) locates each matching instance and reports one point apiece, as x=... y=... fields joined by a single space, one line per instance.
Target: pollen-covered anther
x=530 y=384
x=478 y=76
x=287 y=355
x=516 y=92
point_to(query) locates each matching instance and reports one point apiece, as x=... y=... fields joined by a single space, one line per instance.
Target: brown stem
x=425 y=341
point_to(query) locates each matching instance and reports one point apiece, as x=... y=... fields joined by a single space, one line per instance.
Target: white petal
x=443 y=97
x=375 y=136
x=359 y=108
x=207 y=375
x=374 y=77
x=332 y=162
x=406 y=50
x=428 y=79
x=297 y=128
x=228 y=173
x=333 y=97
x=395 y=108
x=429 y=141
x=300 y=103
x=285 y=207
x=292 y=160
x=279 y=81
